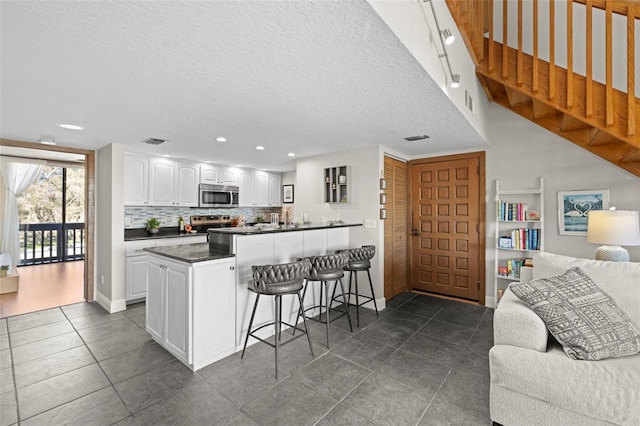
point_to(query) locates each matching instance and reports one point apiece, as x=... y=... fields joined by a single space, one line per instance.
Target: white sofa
x=533 y=381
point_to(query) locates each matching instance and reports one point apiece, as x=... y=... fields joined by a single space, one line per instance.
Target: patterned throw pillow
x=583 y=318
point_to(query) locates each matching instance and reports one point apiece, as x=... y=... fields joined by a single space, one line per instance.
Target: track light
x=455 y=81
x=447 y=36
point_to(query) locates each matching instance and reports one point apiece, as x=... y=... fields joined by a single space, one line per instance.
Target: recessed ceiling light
x=47 y=141
x=208 y=162
x=166 y=155
x=259 y=147
x=238 y=165
x=221 y=139
x=291 y=154
x=70 y=126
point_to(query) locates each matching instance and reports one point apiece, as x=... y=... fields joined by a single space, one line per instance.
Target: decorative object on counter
x=259 y=219
x=4 y=270
x=181 y=224
x=153 y=225
x=238 y=220
x=287 y=193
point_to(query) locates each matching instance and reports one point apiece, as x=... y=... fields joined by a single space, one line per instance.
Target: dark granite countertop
x=267 y=229
x=190 y=253
x=166 y=232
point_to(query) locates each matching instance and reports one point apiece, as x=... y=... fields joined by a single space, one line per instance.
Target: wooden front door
x=447 y=221
x=395 y=228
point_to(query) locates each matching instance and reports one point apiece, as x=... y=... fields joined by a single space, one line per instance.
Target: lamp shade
x=613 y=227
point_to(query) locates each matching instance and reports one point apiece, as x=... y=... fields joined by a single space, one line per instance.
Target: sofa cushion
x=582 y=317
x=621 y=280
x=608 y=390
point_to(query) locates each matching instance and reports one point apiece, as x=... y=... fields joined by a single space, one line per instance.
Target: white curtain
x=18 y=174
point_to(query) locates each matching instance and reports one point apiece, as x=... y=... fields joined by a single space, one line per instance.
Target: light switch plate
x=370 y=223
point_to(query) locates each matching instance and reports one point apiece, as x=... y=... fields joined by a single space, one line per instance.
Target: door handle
x=416 y=233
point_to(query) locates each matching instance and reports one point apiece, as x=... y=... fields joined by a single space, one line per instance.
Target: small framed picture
x=504 y=242
x=287 y=194
x=532 y=215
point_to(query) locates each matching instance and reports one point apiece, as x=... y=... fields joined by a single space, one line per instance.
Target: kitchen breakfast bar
x=198 y=304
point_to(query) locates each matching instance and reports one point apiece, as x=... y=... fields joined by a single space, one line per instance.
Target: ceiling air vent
x=416 y=138
x=154 y=141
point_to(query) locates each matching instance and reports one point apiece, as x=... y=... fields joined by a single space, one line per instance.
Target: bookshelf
x=336 y=184
x=519 y=231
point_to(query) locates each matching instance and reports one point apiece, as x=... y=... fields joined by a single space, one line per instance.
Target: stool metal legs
x=277 y=326
x=325 y=285
x=357 y=294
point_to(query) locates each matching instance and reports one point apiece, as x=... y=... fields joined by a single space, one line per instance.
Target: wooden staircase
x=591 y=114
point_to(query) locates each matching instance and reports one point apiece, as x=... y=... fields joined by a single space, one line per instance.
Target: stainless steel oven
x=218 y=196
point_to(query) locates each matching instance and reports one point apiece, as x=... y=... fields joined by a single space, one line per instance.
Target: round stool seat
x=276 y=288
x=359 y=265
x=278 y=279
x=329 y=275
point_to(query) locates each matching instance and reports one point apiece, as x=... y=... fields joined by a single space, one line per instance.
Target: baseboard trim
x=109 y=305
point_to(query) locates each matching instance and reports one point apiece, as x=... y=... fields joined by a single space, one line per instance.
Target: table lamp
x=613 y=228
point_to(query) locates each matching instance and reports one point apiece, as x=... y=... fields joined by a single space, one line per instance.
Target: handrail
x=51 y=242
x=542 y=76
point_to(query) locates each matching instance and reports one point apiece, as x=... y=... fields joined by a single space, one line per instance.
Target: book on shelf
x=515 y=212
x=511 y=268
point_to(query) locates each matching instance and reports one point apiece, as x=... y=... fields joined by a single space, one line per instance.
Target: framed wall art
x=574 y=208
x=287 y=194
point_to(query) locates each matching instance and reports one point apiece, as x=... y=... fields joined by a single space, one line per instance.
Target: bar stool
x=359 y=260
x=278 y=280
x=324 y=269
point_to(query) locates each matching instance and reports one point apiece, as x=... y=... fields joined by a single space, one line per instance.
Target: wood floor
x=45 y=286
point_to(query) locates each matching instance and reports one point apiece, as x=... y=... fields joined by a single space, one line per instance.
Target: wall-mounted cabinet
x=160 y=182
x=259 y=189
x=337 y=183
x=136 y=178
x=218 y=175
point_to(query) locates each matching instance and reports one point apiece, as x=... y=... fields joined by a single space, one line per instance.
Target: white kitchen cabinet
x=161 y=182
x=136 y=180
x=190 y=308
x=186 y=185
x=173 y=183
x=254 y=188
x=275 y=190
x=136 y=277
x=246 y=185
x=218 y=175
x=135 y=284
x=155 y=299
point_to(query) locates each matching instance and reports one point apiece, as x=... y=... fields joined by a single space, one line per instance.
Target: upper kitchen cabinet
x=218 y=175
x=275 y=190
x=162 y=173
x=172 y=183
x=136 y=178
x=254 y=188
x=186 y=185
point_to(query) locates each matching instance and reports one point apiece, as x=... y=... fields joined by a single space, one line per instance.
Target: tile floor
x=424 y=361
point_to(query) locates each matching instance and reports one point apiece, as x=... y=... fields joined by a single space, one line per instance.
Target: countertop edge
x=240 y=231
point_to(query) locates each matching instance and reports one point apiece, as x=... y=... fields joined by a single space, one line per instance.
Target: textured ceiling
x=304 y=77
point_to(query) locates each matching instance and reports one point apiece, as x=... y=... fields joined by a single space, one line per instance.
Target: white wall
x=109 y=254
x=366 y=166
x=520 y=151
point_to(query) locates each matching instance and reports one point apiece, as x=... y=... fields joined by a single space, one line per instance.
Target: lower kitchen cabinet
x=191 y=308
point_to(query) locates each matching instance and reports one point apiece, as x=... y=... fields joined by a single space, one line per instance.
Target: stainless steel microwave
x=218 y=196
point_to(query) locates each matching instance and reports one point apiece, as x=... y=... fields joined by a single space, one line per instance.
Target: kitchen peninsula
x=198 y=303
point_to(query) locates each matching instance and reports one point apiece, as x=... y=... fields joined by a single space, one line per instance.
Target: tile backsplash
x=136 y=217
